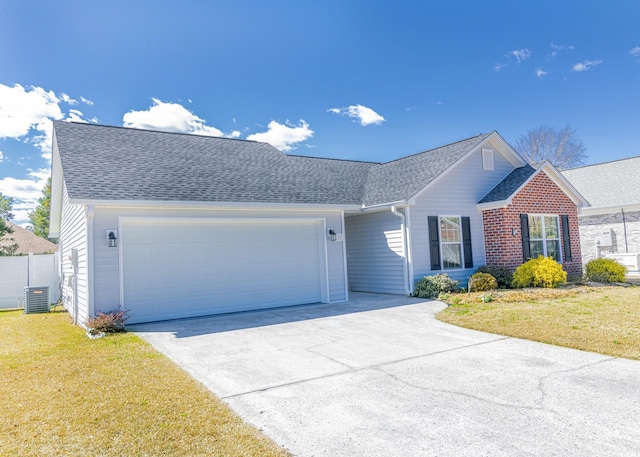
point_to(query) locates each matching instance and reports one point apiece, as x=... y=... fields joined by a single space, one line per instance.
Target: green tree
x=39 y=217
x=6 y=205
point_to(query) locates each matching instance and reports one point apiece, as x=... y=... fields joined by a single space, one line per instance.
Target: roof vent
x=36 y=299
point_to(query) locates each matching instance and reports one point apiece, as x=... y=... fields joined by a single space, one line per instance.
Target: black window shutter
x=524 y=229
x=434 y=243
x=566 y=240
x=466 y=242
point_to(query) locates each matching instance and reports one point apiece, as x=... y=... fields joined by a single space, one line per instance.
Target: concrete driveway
x=379 y=376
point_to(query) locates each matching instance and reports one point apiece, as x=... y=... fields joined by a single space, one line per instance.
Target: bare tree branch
x=560 y=146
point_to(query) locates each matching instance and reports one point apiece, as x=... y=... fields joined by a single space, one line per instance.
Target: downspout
x=405 y=268
x=624 y=226
x=90 y=242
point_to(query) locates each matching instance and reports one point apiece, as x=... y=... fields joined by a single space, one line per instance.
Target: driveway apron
x=380 y=376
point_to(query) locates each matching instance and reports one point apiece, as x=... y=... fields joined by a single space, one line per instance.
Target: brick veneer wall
x=540 y=196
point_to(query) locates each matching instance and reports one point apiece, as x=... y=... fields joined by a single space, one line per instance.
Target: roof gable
x=403 y=178
x=503 y=193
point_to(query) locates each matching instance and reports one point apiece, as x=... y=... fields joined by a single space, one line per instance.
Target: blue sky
x=364 y=80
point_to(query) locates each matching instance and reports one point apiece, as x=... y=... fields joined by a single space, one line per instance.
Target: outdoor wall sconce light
x=332 y=235
x=112 y=237
x=513 y=232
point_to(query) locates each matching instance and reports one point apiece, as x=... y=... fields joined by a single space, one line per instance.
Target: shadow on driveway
x=358 y=303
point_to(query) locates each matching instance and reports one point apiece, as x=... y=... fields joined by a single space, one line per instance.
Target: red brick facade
x=540 y=196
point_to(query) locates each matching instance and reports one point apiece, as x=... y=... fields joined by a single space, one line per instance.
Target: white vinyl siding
x=375 y=252
x=73 y=235
x=459 y=190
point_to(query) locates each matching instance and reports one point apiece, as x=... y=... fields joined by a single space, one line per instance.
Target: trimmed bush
x=482 y=282
x=503 y=275
x=605 y=270
x=433 y=286
x=540 y=272
x=110 y=322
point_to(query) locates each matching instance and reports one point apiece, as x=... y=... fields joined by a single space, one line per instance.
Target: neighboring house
x=611 y=225
x=173 y=225
x=27 y=242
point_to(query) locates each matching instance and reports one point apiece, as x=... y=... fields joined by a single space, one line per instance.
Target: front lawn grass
x=64 y=394
x=597 y=319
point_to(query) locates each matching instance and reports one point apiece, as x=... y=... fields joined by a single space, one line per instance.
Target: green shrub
x=605 y=270
x=503 y=275
x=486 y=298
x=481 y=282
x=540 y=272
x=110 y=322
x=433 y=286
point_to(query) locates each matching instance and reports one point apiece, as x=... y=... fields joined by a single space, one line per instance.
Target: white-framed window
x=451 y=242
x=544 y=236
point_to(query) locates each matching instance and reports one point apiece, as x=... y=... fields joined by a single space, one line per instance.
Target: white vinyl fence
x=17 y=272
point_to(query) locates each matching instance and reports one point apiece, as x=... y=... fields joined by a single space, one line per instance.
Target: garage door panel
x=179 y=269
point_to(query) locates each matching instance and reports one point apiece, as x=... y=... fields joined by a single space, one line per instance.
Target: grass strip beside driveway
x=63 y=394
x=597 y=319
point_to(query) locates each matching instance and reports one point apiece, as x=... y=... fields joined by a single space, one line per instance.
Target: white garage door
x=181 y=268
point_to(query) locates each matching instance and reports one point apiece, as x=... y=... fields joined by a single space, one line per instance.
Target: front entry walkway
x=380 y=376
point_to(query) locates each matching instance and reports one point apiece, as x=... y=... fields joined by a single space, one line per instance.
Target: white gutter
x=405 y=267
x=380 y=206
x=212 y=205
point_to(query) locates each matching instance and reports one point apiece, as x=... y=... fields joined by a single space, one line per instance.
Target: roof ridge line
x=602 y=163
x=333 y=158
x=438 y=147
x=122 y=127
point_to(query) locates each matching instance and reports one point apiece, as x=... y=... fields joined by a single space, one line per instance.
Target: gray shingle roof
x=509 y=185
x=27 y=242
x=115 y=163
x=608 y=184
x=403 y=178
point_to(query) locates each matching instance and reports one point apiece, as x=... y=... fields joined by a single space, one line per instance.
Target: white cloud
x=75 y=116
x=540 y=73
x=25 y=193
x=366 y=116
x=558 y=47
x=169 y=117
x=520 y=54
x=235 y=134
x=1 y=156
x=499 y=66
x=28 y=113
x=65 y=98
x=86 y=101
x=635 y=52
x=586 y=65
x=285 y=136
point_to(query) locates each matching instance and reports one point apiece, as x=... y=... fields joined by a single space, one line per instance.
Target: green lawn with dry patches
x=598 y=319
x=64 y=394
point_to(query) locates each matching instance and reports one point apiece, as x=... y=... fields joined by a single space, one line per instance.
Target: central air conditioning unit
x=36 y=299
